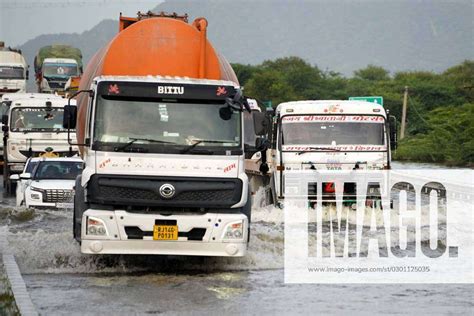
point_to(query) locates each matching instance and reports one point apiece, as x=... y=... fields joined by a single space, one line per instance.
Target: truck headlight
x=95 y=226
x=234 y=230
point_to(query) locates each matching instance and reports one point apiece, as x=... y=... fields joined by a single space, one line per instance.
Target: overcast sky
x=22 y=20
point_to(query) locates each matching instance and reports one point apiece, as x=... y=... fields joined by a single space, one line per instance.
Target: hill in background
x=88 y=42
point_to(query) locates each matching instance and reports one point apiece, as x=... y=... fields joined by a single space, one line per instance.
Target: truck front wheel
x=80 y=206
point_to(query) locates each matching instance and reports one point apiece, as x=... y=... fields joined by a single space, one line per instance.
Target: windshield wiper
x=198 y=141
x=317 y=148
x=134 y=139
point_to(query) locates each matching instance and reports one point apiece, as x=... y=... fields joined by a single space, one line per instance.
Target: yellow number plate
x=165 y=232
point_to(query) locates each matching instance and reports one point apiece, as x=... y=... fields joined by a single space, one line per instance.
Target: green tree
x=269 y=85
x=303 y=79
x=449 y=138
x=462 y=77
x=244 y=72
x=372 y=73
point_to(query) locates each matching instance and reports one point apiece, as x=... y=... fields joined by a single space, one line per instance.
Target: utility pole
x=404 y=113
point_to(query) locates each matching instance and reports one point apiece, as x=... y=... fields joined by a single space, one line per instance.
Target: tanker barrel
x=154 y=45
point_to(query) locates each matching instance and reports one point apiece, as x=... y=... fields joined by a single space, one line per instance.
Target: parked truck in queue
x=58 y=68
x=328 y=135
x=161 y=136
x=32 y=127
x=7 y=99
x=13 y=70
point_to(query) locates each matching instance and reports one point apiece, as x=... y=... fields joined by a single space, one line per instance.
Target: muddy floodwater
x=61 y=280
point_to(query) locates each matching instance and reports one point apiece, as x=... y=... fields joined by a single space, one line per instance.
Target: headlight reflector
x=96 y=226
x=234 y=230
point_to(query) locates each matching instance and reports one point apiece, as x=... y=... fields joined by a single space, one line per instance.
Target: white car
x=52 y=183
x=22 y=182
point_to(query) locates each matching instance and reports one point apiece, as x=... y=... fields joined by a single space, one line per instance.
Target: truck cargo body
x=162 y=148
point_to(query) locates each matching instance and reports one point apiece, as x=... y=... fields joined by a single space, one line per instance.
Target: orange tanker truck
x=159 y=125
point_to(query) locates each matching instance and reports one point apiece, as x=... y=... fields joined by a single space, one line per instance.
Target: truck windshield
x=58 y=170
x=159 y=126
x=333 y=130
x=11 y=72
x=37 y=120
x=59 y=70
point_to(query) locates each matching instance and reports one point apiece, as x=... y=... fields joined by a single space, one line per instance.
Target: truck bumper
x=132 y=233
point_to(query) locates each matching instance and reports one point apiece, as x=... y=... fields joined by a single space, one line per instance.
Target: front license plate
x=165 y=232
x=64 y=205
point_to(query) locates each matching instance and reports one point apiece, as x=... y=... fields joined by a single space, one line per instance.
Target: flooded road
x=61 y=280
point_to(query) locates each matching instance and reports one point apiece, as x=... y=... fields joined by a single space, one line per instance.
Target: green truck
x=55 y=65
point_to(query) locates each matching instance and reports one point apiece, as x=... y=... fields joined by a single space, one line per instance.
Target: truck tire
x=79 y=208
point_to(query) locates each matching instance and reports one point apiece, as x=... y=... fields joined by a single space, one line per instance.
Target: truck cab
x=164 y=168
x=13 y=72
x=328 y=135
x=55 y=73
x=7 y=99
x=33 y=127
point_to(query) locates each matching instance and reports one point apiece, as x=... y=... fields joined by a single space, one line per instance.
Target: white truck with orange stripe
x=328 y=135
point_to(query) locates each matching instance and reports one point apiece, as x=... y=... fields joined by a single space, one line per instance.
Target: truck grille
x=145 y=191
x=58 y=196
x=138 y=194
x=56 y=84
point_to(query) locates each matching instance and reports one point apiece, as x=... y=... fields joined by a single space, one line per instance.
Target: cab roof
x=55 y=102
x=12 y=58
x=60 y=61
x=17 y=96
x=329 y=107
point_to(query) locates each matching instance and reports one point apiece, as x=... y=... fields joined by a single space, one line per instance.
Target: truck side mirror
x=70 y=116
x=15 y=177
x=261 y=123
x=393 y=132
x=5 y=123
x=27 y=74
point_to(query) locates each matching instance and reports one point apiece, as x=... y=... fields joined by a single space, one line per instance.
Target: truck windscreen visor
x=164 y=90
